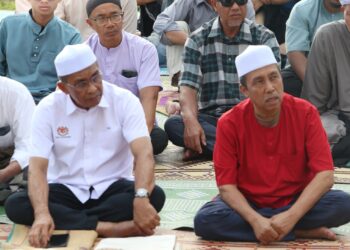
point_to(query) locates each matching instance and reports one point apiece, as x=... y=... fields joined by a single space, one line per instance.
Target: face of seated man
x=265 y=89
x=84 y=87
x=107 y=20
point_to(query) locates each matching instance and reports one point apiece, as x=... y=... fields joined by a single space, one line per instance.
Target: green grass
x=7 y=5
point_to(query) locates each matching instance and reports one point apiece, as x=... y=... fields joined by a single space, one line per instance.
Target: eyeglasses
x=115 y=18
x=229 y=3
x=84 y=84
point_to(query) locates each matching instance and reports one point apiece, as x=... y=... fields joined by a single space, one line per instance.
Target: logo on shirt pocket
x=63 y=131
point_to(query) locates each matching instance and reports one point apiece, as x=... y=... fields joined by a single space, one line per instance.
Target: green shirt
x=27 y=51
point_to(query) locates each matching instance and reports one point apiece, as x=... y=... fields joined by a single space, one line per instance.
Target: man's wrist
x=141 y=193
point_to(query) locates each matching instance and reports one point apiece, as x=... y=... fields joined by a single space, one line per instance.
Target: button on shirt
x=209 y=63
x=133 y=54
x=88 y=148
x=16 y=109
x=27 y=51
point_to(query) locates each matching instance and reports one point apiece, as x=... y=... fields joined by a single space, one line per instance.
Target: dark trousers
x=174 y=127
x=115 y=205
x=291 y=82
x=159 y=140
x=217 y=221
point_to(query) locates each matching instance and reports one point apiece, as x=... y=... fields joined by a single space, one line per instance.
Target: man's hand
x=264 y=231
x=194 y=137
x=41 y=231
x=146 y=217
x=283 y=223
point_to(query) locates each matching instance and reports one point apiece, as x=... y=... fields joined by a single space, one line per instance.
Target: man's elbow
x=327 y=178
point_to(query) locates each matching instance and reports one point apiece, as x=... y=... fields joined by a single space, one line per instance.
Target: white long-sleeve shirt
x=16 y=109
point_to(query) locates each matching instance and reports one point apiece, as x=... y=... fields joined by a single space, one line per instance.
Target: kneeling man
x=86 y=139
x=273 y=164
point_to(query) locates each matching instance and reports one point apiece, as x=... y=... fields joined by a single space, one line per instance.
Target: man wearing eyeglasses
x=209 y=85
x=86 y=141
x=126 y=60
x=29 y=43
x=16 y=109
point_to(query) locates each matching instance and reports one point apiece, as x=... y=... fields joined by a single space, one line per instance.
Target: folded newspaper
x=155 y=242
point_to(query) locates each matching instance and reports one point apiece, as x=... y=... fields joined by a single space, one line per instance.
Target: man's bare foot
x=117 y=229
x=317 y=233
x=189 y=155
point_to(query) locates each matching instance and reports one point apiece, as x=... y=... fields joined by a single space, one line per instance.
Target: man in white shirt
x=86 y=141
x=16 y=109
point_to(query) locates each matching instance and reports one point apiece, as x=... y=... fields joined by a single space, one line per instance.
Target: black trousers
x=115 y=205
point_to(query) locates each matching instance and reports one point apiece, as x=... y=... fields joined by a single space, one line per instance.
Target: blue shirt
x=306 y=17
x=27 y=51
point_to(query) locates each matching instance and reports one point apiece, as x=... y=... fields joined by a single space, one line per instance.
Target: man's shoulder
x=236 y=113
x=136 y=41
x=303 y=7
x=201 y=34
x=115 y=93
x=296 y=104
x=65 y=26
x=16 y=19
x=256 y=28
x=329 y=29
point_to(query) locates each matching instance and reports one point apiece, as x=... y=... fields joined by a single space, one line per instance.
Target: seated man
x=16 y=109
x=127 y=61
x=86 y=140
x=177 y=21
x=273 y=165
x=209 y=84
x=29 y=43
x=327 y=82
x=305 y=18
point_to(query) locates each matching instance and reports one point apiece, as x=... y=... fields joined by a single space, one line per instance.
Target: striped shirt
x=209 y=63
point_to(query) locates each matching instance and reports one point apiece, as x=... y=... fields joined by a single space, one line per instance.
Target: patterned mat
x=170 y=166
x=165 y=96
x=342 y=175
x=188 y=241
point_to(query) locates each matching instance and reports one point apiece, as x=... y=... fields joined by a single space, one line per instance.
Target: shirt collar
x=243 y=34
x=37 y=29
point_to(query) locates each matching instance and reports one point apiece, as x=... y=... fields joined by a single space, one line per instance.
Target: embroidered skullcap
x=92 y=4
x=74 y=58
x=254 y=57
x=344 y=2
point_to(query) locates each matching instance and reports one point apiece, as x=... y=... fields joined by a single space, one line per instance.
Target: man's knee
x=174 y=126
x=157 y=198
x=159 y=140
x=209 y=220
x=18 y=208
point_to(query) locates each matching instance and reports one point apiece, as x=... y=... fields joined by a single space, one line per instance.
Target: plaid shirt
x=209 y=63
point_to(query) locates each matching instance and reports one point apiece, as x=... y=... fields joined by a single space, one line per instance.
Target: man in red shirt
x=273 y=164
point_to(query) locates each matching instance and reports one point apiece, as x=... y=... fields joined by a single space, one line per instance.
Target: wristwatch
x=141 y=193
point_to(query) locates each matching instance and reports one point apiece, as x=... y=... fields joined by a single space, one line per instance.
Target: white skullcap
x=344 y=2
x=254 y=57
x=74 y=58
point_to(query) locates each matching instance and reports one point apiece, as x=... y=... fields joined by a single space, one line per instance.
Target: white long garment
x=88 y=148
x=16 y=110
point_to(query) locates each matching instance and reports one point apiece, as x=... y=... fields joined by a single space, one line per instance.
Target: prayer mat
x=189 y=241
x=170 y=166
x=183 y=200
x=342 y=175
x=78 y=239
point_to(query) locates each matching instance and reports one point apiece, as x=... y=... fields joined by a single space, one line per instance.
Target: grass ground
x=7 y=5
